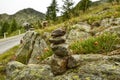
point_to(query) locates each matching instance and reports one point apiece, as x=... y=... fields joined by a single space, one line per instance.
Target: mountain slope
x=29 y=15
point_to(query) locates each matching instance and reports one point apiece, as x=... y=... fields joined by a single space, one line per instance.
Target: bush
x=101 y=44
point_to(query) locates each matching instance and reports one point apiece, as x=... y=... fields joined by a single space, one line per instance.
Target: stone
x=57 y=40
x=75 y=35
x=73 y=61
x=39 y=49
x=32 y=46
x=14 y=65
x=83 y=26
x=109 y=22
x=105 y=22
x=19 y=71
x=78 y=32
x=96 y=24
x=115 y=52
x=113 y=29
x=58 y=33
x=58 y=65
x=60 y=50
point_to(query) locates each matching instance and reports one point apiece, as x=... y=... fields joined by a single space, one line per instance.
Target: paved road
x=6 y=44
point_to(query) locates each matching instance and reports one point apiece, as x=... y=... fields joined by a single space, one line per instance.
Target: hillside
x=21 y=16
x=86 y=47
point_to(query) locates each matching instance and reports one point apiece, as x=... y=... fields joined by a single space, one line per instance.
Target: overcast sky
x=12 y=6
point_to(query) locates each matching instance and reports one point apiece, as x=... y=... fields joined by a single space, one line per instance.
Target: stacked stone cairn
x=60 y=49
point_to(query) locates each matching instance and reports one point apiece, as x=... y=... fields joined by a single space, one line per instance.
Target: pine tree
x=5 y=27
x=1 y=24
x=85 y=4
x=49 y=13
x=52 y=10
x=13 y=26
x=67 y=6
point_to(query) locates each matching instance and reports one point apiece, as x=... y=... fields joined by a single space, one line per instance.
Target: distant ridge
x=28 y=14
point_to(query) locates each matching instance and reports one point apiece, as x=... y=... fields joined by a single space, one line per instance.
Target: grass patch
x=100 y=44
x=4 y=59
x=47 y=53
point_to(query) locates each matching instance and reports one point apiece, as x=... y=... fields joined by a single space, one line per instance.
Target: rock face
x=19 y=71
x=32 y=47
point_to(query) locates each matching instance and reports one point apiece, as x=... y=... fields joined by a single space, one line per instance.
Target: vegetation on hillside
x=67 y=9
x=88 y=12
x=10 y=28
x=4 y=59
x=25 y=15
x=52 y=10
x=11 y=23
x=99 y=44
x=93 y=14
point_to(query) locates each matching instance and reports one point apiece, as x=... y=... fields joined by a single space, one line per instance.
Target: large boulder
x=75 y=35
x=32 y=47
x=19 y=71
x=78 y=32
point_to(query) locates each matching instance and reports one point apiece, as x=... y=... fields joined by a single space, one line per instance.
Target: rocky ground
x=63 y=65
x=83 y=67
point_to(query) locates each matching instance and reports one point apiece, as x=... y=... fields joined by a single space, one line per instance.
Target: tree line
x=8 y=26
x=68 y=11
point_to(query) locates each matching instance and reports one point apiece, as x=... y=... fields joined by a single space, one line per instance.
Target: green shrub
x=101 y=44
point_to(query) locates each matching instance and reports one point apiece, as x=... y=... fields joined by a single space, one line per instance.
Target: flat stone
x=57 y=40
x=60 y=50
x=58 y=33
